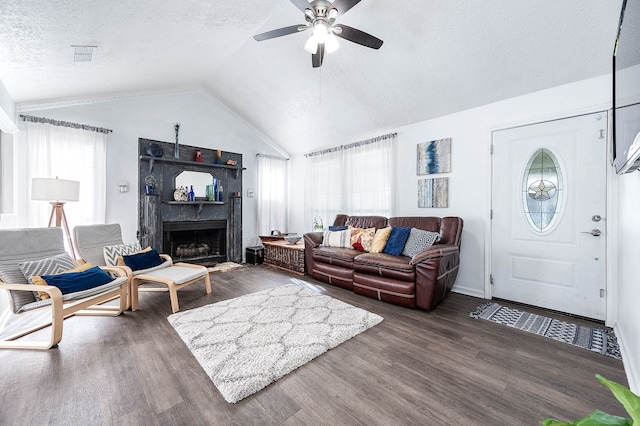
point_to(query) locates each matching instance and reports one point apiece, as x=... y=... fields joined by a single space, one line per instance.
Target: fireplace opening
x=203 y=242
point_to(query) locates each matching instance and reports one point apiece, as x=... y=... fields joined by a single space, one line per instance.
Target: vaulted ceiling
x=438 y=57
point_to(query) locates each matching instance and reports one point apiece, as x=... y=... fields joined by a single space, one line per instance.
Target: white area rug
x=246 y=343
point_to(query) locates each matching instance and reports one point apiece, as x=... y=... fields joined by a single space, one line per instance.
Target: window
x=49 y=150
x=355 y=179
x=272 y=194
x=542 y=190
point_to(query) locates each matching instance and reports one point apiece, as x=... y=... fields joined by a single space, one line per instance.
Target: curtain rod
x=272 y=157
x=33 y=119
x=352 y=145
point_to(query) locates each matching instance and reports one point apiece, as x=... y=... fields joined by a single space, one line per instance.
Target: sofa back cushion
x=361 y=221
x=449 y=228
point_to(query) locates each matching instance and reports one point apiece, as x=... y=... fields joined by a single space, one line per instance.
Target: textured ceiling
x=438 y=57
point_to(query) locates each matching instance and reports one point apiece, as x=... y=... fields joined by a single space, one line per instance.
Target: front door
x=548 y=204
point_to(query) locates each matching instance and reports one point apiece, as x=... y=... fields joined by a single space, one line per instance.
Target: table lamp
x=56 y=191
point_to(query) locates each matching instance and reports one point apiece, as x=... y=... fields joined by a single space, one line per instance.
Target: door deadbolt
x=596 y=218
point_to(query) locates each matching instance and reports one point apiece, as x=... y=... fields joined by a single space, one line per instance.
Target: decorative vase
x=176 y=150
x=218 y=156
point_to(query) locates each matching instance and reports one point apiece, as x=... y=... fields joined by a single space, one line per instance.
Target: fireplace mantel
x=159 y=209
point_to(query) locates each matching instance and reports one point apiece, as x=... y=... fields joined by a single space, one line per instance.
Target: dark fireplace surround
x=197 y=231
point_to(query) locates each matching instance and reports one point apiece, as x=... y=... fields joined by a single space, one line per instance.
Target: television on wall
x=626 y=90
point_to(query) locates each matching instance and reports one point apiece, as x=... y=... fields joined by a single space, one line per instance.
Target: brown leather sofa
x=420 y=282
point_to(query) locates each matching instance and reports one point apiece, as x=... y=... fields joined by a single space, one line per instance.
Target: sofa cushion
x=397 y=240
x=335 y=256
x=365 y=221
x=338 y=227
x=340 y=239
x=385 y=265
x=419 y=240
x=380 y=239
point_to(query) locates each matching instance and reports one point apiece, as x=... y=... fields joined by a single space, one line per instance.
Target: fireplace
x=203 y=242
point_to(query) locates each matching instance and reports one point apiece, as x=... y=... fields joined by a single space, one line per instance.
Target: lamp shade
x=48 y=189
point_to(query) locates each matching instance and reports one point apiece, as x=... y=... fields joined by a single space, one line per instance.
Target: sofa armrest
x=313 y=239
x=435 y=251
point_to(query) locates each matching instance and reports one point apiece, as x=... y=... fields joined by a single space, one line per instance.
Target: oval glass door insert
x=542 y=190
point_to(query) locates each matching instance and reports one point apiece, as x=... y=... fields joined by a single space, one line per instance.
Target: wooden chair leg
x=207 y=283
x=173 y=292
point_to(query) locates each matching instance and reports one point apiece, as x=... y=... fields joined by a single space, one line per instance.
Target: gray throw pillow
x=49 y=266
x=419 y=240
x=11 y=274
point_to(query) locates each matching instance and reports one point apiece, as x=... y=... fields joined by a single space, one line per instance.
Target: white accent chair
x=91 y=240
x=29 y=314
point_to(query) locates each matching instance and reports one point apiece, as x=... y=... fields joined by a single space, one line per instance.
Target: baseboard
x=468 y=291
x=628 y=359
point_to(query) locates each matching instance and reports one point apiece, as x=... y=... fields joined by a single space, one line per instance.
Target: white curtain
x=272 y=194
x=68 y=153
x=354 y=179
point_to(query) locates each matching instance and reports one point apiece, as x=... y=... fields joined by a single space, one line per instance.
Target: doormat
x=595 y=339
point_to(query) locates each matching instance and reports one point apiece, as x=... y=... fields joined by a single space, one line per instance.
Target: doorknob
x=594 y=232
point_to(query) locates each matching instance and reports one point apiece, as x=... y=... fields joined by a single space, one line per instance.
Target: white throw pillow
x=337 y=239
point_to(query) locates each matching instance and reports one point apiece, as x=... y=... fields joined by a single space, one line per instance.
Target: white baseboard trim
x=468 y=291
x=630 y=362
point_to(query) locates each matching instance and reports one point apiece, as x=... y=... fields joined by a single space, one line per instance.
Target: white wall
x=204 y=122
x=628 y=328
x=470 y=188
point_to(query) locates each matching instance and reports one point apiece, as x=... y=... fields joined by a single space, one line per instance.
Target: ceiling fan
x=321 y=17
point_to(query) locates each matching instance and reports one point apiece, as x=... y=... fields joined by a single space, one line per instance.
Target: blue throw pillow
x=338 y=228
x=396 y=241
x=144 y=260
x=78 y=281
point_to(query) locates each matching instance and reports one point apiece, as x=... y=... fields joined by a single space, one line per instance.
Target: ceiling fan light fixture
x=331 y=43
x=320 y=31
x=311 y=45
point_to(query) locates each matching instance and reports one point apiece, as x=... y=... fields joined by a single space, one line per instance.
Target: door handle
x=594 y=232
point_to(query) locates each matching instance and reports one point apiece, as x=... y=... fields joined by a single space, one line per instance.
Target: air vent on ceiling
x=83 y=53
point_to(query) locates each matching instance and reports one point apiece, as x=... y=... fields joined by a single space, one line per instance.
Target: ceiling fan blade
x=360 y=37
x=301 y=4
x=279 y=32
x=318 y=57
x=342 y=6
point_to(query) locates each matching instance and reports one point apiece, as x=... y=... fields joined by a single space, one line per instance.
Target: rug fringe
x=479 y=310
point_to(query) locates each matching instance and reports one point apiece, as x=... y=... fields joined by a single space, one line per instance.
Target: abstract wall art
x=434 y=157
x=433 y=192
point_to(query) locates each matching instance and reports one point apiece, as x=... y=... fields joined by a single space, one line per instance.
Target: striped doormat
x=595 y=339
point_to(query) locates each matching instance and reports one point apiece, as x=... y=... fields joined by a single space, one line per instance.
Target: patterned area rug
x=246 y=343
x=595 y=339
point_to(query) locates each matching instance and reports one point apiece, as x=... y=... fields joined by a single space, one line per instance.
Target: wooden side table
x=282 y=255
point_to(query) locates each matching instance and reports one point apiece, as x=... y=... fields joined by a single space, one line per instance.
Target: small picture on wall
x=433 y=192
x=434 y=157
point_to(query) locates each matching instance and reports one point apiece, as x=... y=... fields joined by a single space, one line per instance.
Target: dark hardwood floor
x=427 y=368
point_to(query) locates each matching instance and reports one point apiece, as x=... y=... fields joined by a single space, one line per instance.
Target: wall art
x=433 y=192
x=434 y=157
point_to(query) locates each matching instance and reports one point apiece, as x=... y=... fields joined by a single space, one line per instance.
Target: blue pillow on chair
x=338 y=228
x=143 y=260
x=72 y=282
x=397 y=240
